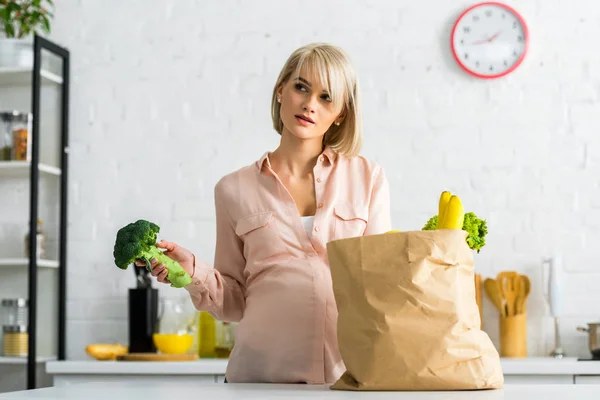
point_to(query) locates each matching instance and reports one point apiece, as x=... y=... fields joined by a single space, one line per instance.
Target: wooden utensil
x=509 y=289
x=491 y=289
x=524 y=289
x=479 y=298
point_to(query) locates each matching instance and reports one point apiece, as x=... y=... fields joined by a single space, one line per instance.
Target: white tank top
x=308 y=224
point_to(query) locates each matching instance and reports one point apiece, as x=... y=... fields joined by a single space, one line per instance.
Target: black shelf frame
x=39 y=44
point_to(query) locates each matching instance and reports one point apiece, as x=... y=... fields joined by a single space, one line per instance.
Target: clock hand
x=494 y=37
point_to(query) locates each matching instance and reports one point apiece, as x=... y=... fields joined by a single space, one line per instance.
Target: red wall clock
x=489 y=40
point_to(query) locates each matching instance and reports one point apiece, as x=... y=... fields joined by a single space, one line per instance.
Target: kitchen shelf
x=22 y=169
x=23 y=76
x=23 y=360
x=46 y=316
x=24 y=262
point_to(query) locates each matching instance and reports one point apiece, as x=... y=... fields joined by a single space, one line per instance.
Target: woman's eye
x=326 y=97
x=300 y=87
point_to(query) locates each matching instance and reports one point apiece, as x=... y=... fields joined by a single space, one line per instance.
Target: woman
x=274 y=219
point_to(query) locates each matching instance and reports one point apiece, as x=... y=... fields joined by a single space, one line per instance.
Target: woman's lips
x=303 y=120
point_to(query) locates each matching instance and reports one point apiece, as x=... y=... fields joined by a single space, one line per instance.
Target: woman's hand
x=174 y=251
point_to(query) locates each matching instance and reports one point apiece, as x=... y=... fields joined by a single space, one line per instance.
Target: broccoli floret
x=476 y=227
x=138 y=240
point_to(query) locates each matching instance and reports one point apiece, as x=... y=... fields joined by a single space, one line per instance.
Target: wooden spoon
x=524 y=289
x=491 y=289
x=509 y=287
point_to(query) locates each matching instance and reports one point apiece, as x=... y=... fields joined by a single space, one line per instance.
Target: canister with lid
x=14 y=341
x=15 y=136
x=15 y=311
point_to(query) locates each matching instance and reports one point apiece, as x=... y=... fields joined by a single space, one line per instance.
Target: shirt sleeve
x=220 y=289
x=379 y=205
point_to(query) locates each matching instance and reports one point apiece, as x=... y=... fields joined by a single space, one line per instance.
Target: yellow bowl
x=172 y=343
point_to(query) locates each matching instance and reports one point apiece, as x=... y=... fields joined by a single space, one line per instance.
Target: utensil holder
x=513 y=336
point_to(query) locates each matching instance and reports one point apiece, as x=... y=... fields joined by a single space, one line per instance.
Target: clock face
x=489 y=40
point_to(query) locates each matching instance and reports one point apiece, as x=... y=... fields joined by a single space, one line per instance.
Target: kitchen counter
x=199 y=367
x=527 y=371
x=525 y=366
x=163 y=391
x=549 y=366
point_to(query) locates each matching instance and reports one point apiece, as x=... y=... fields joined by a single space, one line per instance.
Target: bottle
x=41 y=241
x=206 y=335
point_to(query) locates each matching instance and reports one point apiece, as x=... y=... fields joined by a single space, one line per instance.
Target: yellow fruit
x=442 y=206
x=105 y=351
x=454 y=215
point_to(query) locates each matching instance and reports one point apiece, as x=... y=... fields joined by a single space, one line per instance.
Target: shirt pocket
x=350 y=220
x=262 y=240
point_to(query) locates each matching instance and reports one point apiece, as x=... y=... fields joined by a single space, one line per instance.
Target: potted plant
x=19 y=21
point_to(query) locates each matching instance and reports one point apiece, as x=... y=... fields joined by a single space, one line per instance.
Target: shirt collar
x=328 y=152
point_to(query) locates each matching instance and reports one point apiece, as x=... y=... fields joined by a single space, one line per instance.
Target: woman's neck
x=296 y=157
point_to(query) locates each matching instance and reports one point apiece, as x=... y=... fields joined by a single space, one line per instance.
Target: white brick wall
x=168 y=96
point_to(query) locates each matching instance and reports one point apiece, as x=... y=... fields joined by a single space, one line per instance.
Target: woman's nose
x=309 y=105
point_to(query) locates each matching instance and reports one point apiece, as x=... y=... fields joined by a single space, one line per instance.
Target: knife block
x=143 y=319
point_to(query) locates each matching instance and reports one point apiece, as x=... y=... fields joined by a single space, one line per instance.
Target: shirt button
x=319 y=180
x=322 y=158
x=316 y=229
x=320 y=205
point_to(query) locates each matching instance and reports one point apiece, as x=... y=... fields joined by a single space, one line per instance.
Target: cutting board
x=157 y=357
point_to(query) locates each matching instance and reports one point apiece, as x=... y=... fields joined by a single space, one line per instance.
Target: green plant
x=138 y=240
x=19 y=18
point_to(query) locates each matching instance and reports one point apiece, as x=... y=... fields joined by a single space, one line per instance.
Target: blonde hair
x=337 y=75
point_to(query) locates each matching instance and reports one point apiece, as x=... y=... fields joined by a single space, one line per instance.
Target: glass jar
x=40 y=242
x=21 y=137
x=15 y=142
x=173 y=335
x=6 y=136
x=225 y=339
x=15 y=341
x=15 y=311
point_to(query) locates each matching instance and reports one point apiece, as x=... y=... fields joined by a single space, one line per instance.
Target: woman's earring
x=279 y=100
x=337 y=123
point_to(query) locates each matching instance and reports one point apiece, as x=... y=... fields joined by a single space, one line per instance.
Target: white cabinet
x=587 y=379
x=532 y=379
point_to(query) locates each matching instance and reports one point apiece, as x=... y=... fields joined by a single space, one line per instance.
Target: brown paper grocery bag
x=408 y=318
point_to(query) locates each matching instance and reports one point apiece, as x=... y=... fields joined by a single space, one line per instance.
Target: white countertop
x=526 y=366
x=199 y=367
x=164 y=391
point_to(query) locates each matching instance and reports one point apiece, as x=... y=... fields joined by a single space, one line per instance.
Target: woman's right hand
x=174 y=251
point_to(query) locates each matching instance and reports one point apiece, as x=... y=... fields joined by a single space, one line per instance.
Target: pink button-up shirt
x=273 y=278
